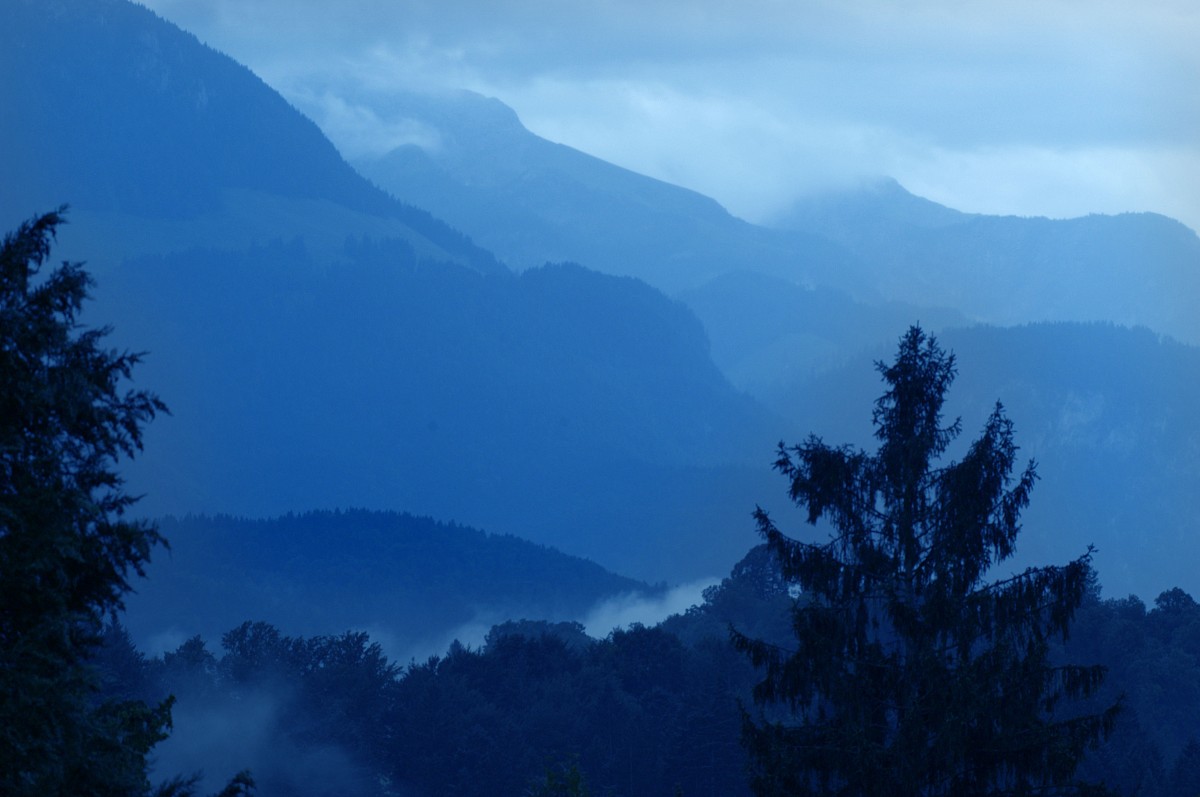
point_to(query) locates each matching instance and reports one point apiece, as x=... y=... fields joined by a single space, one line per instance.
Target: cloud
x=217 y=736
x=624 y=610
x=360 y=130
x=526 y=39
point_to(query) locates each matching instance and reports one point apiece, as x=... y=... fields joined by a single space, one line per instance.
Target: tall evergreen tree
x=913 y=674
x=66 y=551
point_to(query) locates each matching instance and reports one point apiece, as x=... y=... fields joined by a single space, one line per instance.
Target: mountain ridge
x=144 y=75
x=284 y=571
x=532 y=201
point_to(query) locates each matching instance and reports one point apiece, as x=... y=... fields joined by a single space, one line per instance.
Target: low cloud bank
x=624 y=610
x=224 y=734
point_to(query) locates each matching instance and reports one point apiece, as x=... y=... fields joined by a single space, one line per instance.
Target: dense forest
x=643 y=711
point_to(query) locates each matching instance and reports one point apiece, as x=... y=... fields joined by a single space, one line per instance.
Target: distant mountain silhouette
x=768 y=332
x=1132 y=268
x=407 y=580
x=533 y=201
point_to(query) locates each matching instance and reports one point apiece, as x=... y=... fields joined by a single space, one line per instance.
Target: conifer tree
x=913 y=674
x=66 y=549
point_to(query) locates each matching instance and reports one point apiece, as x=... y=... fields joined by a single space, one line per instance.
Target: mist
x=622 y=611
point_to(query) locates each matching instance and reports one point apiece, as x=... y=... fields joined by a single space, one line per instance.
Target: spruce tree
x=66 y=549
x=913 y=673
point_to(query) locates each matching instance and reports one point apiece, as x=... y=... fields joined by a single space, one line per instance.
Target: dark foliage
x=412 y=576
x=66 y=552
x=1110 y=411
x=542 y=708
x=913 y=674
x=1153 y=658
x=73 y=716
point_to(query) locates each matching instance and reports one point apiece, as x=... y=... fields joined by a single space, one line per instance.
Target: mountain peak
x=881 y=202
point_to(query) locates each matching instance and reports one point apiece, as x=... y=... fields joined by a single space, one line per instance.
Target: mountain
x=1131 y=269
x=324 y=345
x=768 y=332
x=409 y=581
x=564 y=406
x=320 y=350
x=160 y=143
x=533 y=201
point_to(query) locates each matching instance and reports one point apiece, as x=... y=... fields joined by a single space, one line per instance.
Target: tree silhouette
x=66 y=550
x=913 y=674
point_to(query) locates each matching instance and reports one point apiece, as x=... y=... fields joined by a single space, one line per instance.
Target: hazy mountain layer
x=767 y=333
x=1133 y=268
x=408 y=581
x=533 y=201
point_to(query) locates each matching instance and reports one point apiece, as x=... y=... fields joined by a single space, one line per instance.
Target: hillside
x=412 y=583
x=563 y=406
x=533 y=201
x=323 y=345
x=1132 y=268
x=160 y=143
x=767 y=332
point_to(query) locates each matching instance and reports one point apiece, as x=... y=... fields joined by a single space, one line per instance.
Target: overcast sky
x=1033 y=107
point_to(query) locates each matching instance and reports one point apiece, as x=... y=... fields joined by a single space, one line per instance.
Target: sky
x=1028 y=107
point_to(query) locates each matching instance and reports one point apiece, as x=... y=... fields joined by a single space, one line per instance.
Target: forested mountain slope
x=563 y=406
x=412 y=583
x=160 y=143
x=322 y=345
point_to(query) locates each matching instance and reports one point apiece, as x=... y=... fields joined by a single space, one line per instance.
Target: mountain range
x=323 y=345
x=531 y=201
x=504 y=332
